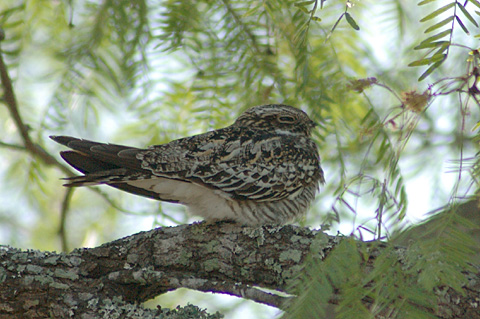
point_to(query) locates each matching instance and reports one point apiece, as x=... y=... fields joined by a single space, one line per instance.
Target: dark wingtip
x=66 y=184
x=61 y=139
x=57 y=138
x=72 y=181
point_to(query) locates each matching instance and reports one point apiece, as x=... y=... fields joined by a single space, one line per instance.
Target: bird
x=264 y=169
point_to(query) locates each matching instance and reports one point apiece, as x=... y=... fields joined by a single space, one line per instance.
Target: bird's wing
x=244 y=164
x=105 y=164
x=102 y=156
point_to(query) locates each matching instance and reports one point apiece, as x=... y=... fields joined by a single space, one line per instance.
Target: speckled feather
x=263 y=169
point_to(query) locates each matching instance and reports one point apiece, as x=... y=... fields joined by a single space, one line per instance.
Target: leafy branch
x=348 y=17
x=29 y=145
x=403 y=119
x=438 y=46
x=11 y=103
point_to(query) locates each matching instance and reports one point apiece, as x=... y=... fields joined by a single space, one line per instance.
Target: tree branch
x=12 y=146
x=62 y=229
x=11 y=103
x=223 y=257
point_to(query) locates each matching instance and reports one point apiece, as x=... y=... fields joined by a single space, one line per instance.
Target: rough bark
x=116 y=277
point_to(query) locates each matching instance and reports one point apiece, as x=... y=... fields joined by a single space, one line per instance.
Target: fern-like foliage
x=102 y=62
x=438 y=45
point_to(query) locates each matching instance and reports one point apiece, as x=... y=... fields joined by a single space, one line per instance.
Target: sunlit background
x=162 y=94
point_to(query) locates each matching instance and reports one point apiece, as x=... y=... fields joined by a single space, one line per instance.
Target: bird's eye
x=286 y=119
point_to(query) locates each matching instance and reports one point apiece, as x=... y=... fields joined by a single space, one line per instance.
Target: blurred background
x=146 y=72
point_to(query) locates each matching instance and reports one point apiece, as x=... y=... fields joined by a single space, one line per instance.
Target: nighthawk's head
x=277 y=117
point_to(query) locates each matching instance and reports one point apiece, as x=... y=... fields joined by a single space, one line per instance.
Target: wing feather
x=244 y=164
x=264 y=167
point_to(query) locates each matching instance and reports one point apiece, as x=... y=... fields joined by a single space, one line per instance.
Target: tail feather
x=88 y=156
x=84 y=163
x=96 y=172
x=111 y=164
x=101 y=177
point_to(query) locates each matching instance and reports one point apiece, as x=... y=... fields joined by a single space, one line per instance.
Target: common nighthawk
x=262 y=169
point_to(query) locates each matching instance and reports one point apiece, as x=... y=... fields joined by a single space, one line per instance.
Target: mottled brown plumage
x=263 y=169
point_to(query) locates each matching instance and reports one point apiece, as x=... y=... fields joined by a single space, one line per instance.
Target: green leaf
x=351 y=21
x=432 y=45
x=434 y=58
x=442 y=48
x=475 y=3
x=304 y=9
x=466 y=14
x=464 y=28
x=437 y=57
x=429 y=71
x=438 y=12
x=303 y=3
x=420 y=62
x=425 y=2
x=438 y=36
x=252 y=11
x=476 y=126
x=438 y=25
x=432 y=39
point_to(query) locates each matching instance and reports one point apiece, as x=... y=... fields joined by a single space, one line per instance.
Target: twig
x=242 y=25
x=11 y=103
x=238 y=290
x=13 y=146
x=63 y=218
x=29 y=146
